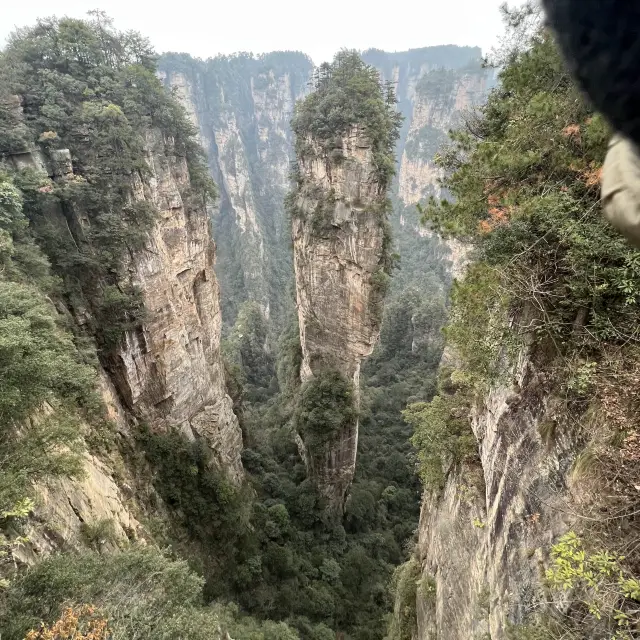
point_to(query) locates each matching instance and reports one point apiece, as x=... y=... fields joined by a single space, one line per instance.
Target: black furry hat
x=601 y=41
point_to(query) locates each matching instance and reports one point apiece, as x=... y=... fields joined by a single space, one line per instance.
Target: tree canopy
x=348 y=92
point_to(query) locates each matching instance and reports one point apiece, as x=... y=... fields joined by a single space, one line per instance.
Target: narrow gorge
x=242 y=106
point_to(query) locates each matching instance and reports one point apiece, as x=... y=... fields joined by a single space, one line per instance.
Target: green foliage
x=14 y=136
x=249 y=349
x=404 y=587
x=90 y=89
x=382 y=508
x=477 y=324
x=608 y=592
x=442 y=435
x=118 y=309
x=552 y=275
x=96 y=534
x=582 y=378
x=37 y=360
x=348 y=92
x=289 y=359
x=202 y=499
x=289 y=563
x=142 y=592
x=39 y=363
x=524 y=180
x=549 y=272
x=49 y=446
x=380 y=282
x=319 y=574
x=273 y=552
x=326 y=406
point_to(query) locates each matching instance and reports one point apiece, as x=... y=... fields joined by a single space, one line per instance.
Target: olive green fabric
x=621 y=188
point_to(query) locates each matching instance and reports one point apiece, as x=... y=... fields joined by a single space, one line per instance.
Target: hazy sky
x=205 y=28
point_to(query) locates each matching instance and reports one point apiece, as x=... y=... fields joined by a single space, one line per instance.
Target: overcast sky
x=206 y=28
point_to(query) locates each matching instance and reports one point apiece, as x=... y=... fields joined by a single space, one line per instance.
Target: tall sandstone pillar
x=340 y=236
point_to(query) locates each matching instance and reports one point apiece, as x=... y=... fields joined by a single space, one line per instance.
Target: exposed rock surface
x=242 y=106
x=98 y=507
x=65 y=507
x=441 y=98
x=484 y=539
x=170 y=372
x=336 y=260
x=435 y=86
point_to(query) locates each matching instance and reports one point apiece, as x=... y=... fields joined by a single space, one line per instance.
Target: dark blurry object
x=600 y=40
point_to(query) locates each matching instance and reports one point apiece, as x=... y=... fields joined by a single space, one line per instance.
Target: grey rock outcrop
x=484 y=540
x=435 y=86
x=242 y=105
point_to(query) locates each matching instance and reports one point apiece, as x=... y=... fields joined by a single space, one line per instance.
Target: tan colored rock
x=170 y=372
x=337 y=301
x=70 y=510
x=67 y=509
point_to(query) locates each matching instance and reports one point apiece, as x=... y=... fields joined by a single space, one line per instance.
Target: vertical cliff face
x=241 y=106
x=440 y=98
x=483 y=541
x=435 y=86
x=518 y=451
x=345 y=134
x=169 y=371
x=336 y=253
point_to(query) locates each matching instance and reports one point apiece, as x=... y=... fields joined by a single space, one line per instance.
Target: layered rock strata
x=339 y=247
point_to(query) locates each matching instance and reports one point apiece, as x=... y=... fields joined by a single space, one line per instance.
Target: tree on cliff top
x=349 y=92
x=92 y=90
